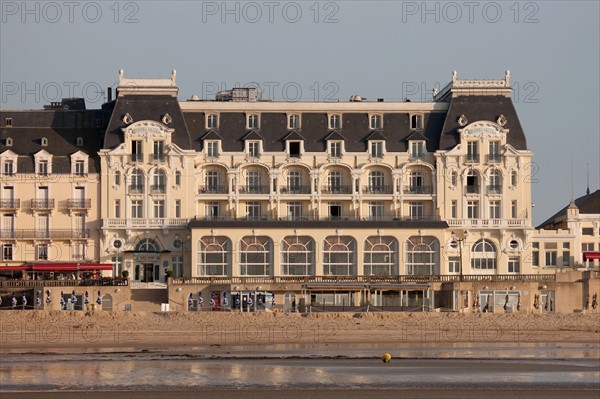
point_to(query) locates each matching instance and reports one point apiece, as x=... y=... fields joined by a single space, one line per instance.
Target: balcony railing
x=144 y=223
x=493 y=158
x=486 y=223
x=494 y=189
x=211 y=189
x=303 y=218
x=336 y=190
x=252 y=189
x=156 y=158
x=472 y=189
x=418 y=190
x=103 y=281
x=45 y=203
x=377 y=189
x=472 y=158
x=158 y=189
x=79 y=203
x=45 y=234
x=137 y=158
x=294 y=189
x=136 y=188
x=10 y=203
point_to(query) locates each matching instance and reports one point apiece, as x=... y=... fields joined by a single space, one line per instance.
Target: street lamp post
x=460 y=241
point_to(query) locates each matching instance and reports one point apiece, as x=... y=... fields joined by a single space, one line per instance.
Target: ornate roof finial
x=121 y=72
x=507 y=77
x=454 y=75
x=173 y=75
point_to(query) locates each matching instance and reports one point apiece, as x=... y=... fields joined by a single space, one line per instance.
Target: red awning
x=70 y=267
x=14 y=268
x=591 y=256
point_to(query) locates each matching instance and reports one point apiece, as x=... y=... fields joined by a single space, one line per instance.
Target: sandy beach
x=47 y=330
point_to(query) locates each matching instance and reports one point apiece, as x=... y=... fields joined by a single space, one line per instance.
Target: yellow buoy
x=386 y=358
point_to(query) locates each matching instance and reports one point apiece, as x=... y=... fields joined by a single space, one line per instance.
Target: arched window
x=146 y=245
x=297 y=256
x=214 y=256
x=158 y=181
x=339 y=256
x=422 y=256
x=513 y=178
x=136 y=180
x=380 y=256
x=495 y=182
x=472 y=182
x=483 y=255
x=256 y=256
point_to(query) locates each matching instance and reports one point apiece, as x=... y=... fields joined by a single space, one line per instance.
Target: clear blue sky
x=324 y=50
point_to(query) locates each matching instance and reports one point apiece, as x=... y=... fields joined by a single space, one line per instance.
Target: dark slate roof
x=147 y=107
x=476 y=108
x=375 y=135
x=253 y=135
x=212 y=135
x=588 y=204
x=61 y=128
x=334 y=135
x=294 y=135
x=416 y=136
x=315 y=131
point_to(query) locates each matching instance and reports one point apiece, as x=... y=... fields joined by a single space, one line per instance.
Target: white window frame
x=261 y=247
x=287 y=148
x=252 y=154
x=418 y=123
x=211 y=146
x=380 y=256
x=376 y=143
x=339 y=256
x=294 y=121
x=330 y=145
x=417 y=149
x=375 y=121
x=331 y=125
x=214 y=254
x=255 y=117
x=297 y=256
x=210 y=119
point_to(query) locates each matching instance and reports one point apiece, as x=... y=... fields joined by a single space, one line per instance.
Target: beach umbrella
x=14 y=300
x=190 y=300
x=38 y=299
x=99 y=300
x=73 y=297
x=200 y=299
x=48 y=299
x=62 y=300
x=87 y=299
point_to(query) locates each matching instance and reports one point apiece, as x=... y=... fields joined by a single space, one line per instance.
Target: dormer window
x=8 y=122
x=335 y=121
x=253 y=148
x=127 y=119
x=336 y=149
x=294 y=148
x=375 y=121
x=42 y=167
x=9 y=141
x=212 y=148
x=79 y=141
x=417 y=149
x=79 y=168
x=376 y=149
x=8 y=168
x=212 y=121
x=294 y=121
x=416 y=122
x=44 y=141
x=166 y=119
x=253 y=121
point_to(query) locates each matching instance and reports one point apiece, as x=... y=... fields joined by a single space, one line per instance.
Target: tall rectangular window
x=42 y=252
x=535 y=253
x=454 y=264
x=334 y=121
x=514 y=265
x=178 y=178
x=137 y=209
x=495 y=210
x=417 y=149
x=7 y=252
x=177 y=209
x=79 y=168
x=473 y=209
x=294 y=210
x=158 y=151
x=253 y=210
x=472 y=151
x=335 y=149
x=416 y=122
x=254 y=149
x=136 y=151
x=159 y=209
x=294 y=121
x=416 y=210
x=453 y=210
x=376 y=210
x=8 y=168
x=375 y=122
x=117 y=209
x=494 y=152
x=212 y=121
x=43 y=167
x=513 y=209
x=117 y=178
x=212 y=149
x=253 y=121
x=212 y=210
x=377 y=149
x=551 y=253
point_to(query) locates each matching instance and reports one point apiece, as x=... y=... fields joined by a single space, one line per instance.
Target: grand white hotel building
x=241 y=193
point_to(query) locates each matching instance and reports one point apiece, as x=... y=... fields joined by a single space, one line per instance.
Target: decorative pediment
x=376 y=135
x=42 y=154
x=211 y=135
x=294 y=136
x=252 y=135
x=149 y=129
x=335 y=136
x=79 y=155
x=8 y=154
x=482 y=129
x=416 y=136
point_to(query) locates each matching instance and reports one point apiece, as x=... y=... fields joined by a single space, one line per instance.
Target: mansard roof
x=587 y=204
x=375 y=135
x=294 y=135
x=477 y=108
x=416 y=136
x=212 y=135
x=147 y=107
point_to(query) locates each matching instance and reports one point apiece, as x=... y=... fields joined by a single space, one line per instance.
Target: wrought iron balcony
x=294 y=189
x=158 y=189
x=10 y=204
x=377 y=189
x=137 y=158
x=136 y=188
x=335 y=189
x=472 y=189
x=44 y=203
x=212 y=189
x=494 y=189
x=79 y=203
x=472 y=158
x=59 y=234
x=252 y=189
x=156 y=158
x=493 y=158
x=141 y=223
x=418 y=190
